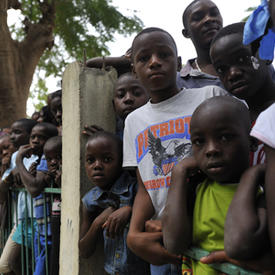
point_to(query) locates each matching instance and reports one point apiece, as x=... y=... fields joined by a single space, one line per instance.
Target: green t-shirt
x=211 y=205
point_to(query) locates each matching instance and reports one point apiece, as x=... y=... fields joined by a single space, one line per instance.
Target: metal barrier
x=227 y=268
x=28 y=254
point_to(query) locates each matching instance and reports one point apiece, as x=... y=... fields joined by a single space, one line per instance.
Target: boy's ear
x=253 y=144
x=185 y=33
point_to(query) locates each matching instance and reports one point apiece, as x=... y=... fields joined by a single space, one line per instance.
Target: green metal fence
x=227 y=268
x=27 y=254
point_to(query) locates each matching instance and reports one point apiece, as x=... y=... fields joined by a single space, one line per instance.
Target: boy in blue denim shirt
x=107 y=207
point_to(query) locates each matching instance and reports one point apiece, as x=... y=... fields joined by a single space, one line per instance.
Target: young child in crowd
x=55 y=106
x=53 y=155
x=156 y=137
x=10 y=257
x=107 y=207
x=220 y=144
x=201 y=20
x=35 y=183
x=6 y=151
x=243 y=74
x=129 y=95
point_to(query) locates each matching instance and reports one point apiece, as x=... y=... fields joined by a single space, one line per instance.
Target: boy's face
x=220 y=144
x=203 y=22
x=6 y=147
x=19 y=135
x=53 y=158
x=102 y=162
x=38 y=138
x=56 y=109
x=129 y=95
x=155 y=61
x=233 y=63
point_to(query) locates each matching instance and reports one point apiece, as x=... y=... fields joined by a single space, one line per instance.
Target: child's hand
x=24 y=151
x=187 y=165
x=116 y=222
x=90 y=130
x=103 y=216
x=152 y=249
x=153 y=226
x=58 y=178
x=32 y=168
x=16 y=178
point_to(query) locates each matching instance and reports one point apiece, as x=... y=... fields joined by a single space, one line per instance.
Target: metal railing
x=227 y=268
x=28 y=254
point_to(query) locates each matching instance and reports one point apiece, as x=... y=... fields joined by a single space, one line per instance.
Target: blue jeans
x=40 y=259
x=167 y=269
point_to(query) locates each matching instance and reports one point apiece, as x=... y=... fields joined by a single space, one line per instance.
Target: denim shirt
x=118 y=258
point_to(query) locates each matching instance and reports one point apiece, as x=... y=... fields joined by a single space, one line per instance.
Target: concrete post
x=86 y=99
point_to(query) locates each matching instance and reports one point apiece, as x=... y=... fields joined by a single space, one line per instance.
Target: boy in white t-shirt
x=156 y=137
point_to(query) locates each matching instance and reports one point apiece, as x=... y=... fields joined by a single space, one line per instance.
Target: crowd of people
x=191 y=163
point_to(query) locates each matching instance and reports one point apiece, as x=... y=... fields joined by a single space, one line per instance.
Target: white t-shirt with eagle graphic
x=157 y=137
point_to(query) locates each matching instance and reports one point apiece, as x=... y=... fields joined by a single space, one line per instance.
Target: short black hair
x=149 y=30
x=27 y=124
x=50 y=129
x=108 y=135
x=47 y=115
x=236 y=105
x=55 y=143
x=184 y=15
x=57 y=93
x=236 y=28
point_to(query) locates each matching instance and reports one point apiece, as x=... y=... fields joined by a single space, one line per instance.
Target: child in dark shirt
x=107 y=207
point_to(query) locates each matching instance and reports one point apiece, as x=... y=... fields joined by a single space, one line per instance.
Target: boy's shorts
x=27 y=237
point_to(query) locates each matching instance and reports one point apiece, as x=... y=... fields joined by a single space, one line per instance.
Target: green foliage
x=79 y=25
x=39 y=94
x=250 y=10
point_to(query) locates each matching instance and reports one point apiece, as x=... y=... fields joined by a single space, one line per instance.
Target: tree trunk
x=18 y=61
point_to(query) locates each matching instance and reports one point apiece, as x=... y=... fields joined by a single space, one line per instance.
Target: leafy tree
x=52 y=33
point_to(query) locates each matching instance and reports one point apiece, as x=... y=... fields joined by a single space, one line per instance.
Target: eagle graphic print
x=166 y=143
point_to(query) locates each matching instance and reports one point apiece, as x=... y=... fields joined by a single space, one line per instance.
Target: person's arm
x=117 y=221
x=34 y=184
x=245 y=235
x=270 y=193
x=263 y=264
x=177 y=219
x=5 y=184
x=122 y=64
x=146 y=245
x=90 y=229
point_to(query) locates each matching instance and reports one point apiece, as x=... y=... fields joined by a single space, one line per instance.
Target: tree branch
x=14 y=4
